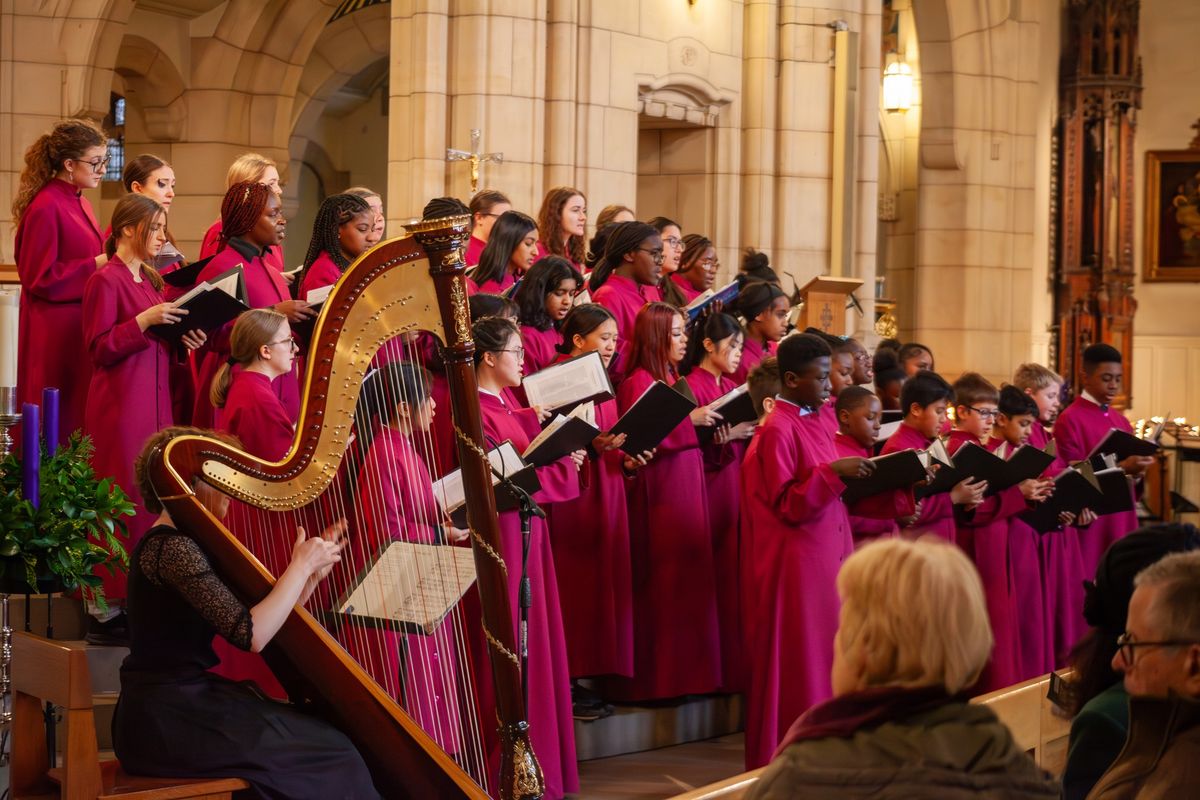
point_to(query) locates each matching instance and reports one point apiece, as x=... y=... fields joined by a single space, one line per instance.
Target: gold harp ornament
x=411 y=283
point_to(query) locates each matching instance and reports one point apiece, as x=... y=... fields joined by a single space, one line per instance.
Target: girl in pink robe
x=498 y=356
x=714 y=352
x=129 y=396
x=545 y=297
x=562 y=226
x=626 y=279
x=799 y=535
x=764 y=308
x=341 y=233
x=246 y=168
x=677 y=642
x=57 y=249
x=698 y=267
x=510 y=251
x=486 y=207
x=253 y=223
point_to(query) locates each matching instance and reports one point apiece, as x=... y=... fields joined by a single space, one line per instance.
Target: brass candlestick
x=9 y=416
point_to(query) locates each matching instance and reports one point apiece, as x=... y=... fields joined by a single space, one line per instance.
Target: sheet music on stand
x=410 y=587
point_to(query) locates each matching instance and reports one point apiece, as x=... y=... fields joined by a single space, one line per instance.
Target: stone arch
x=89 y=38
x=159 y=86
x=682 y=96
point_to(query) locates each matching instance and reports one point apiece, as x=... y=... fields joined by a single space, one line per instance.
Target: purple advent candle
x=50 y=419
x=31 y=453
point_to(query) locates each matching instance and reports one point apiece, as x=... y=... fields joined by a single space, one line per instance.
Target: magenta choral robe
x=474 y=251
x=937 y=512
x=677 y=642
x=590 y=539
x=624 y=297
x=1062 y=572
x=685 y=286
x=543 y=251
x=1080 y=427
x=265 y=287
x=540 y=347
x=799 y=535
x=828 y=414
x=551 y=727
x=753 y=354
x=56 y=245
x=873 y=517
x=211 y=244
x=129 y=395
x=722 y=484
x=500 y=287
x=323 y=272
x=396 y=503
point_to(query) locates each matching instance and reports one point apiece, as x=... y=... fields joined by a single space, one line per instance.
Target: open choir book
x=652 y=417
x=210 y=304
x=562 y=386
x=724 y=295
x=451 y=495
x=562 y=436
x=735 y=407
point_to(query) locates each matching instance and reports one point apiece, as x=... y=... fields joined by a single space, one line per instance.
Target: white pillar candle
x=9 y=316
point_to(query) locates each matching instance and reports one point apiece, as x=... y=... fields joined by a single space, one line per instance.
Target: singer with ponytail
x=58 y=247
x=128 y=396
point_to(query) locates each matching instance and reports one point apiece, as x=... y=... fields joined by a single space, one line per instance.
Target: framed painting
x=1172 y=232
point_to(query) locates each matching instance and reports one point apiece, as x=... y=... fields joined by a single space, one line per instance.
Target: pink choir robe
x=1080 y=427
x=129 y=395
x=551 y=726
x=828 y=414
x=56 y=245
x=753 y=353
x=1062 y=572
x=396 y=503
x=937 y=512
x=474 y=251
x=540 y=348
x=500 y=287
x=254 y=414
x=323 y=272
x=873 y=517
x=543 y=251
x=983 y=534
x=722 y=484
x=590 y=539
x=685 y=286
x=624 y=297
x=211 y=244
x=265 y=287
x=676 y=628
x=799 y=535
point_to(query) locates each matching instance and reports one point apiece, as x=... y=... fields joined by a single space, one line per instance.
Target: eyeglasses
x=710 y=263
x=986 y=413
x=1128 y=647
x=519 y=352
x=97 y=166
x=674 y=241
x=289 y=341
x=657 y=255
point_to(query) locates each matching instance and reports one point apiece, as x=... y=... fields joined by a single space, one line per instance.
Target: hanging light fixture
x=897 y=84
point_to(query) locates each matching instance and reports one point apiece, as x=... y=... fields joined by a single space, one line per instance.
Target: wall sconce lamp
x=897 y=84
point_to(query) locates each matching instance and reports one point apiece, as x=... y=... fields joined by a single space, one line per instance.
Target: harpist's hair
x=582 y=320
x=542 y=279
x=492 y=334
x=141 y=464
x=913 y=614
x=139 y=212
x=253 y=330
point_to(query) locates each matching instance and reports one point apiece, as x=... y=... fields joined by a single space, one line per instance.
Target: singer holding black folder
x=498 y=357
x=129 y=396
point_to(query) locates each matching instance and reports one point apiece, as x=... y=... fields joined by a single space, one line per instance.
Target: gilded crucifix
x=474 y=157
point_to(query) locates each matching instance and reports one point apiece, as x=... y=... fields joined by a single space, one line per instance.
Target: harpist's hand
x=457 y=535
x=317 y=554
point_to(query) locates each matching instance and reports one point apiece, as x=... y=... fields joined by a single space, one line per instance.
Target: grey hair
x=1178 y=608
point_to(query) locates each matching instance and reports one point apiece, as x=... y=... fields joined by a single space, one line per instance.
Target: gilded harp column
x=1099 y=94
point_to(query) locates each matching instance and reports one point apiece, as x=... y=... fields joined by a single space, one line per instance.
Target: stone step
x=633 y=729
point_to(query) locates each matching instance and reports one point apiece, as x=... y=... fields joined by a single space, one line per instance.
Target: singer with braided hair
x=251 y=224
x=341 y=233
x=253 y=168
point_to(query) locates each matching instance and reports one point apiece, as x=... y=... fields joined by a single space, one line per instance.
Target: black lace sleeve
x=176 y=561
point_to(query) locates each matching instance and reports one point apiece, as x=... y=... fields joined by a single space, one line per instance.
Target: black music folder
x=210 y=304
x=651 y=419
x=735 y=407
x=561 y=436
x=185 y=277
x=1120 y=445
x=898 y=470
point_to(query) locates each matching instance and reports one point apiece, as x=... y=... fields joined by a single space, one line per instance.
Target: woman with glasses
x=672 y=241
x=58 y=248
x=498 y=357
x=486 y=207
x=1097 y=696
x=698 y=267
x=625 y=280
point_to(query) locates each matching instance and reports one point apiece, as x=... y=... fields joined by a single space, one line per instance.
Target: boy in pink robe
x=799 y=535
x=1083 y=425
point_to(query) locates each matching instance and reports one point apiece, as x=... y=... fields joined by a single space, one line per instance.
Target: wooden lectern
x=824 y=299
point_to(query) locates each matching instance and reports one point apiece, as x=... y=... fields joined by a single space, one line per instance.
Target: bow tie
x=1104 y=407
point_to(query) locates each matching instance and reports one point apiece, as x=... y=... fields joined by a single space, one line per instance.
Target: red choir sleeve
x=1069 y=437
x=42 y=271
x=797 y=492
x=109 y=339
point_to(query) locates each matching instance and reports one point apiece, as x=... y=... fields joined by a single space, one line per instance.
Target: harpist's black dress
x=176 y=719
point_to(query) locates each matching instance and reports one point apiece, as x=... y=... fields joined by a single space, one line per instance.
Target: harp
x=413 y=283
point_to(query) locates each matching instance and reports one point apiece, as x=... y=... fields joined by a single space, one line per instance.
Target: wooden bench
x=1037 y=726
x=57 y=672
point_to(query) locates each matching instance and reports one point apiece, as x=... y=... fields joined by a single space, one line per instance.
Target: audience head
x=975 y=399
x=764 y=307
x=342 y=228
x=1044 y=385
x=913 y=615
x=672 y=239
x=763 y=382
x=756 y=266
x=717 y=338
x=1106 y=603
x=547 y=292
x=261 y=339
x=375 y=201
x=562 y=222
x=150 y=175
x=254 y=168
x=251 y=211
x=142 y=223
x=614 y=213
x=1018 y=412
x=914 y=358
x=1159 y=652
x=511 y=247
x=1102 y=372
x=486 y=207
x=589 y=327
x=75 y=150
x=699 y=263
x=398 y=395
x=804 y=370
x=859 y=414
x=212 y=499
x=924 y=398
x=485 y=304
x=633 y=249
x=659 y=339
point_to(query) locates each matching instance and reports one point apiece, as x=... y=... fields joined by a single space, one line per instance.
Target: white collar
x=496 y=395
x=801 y=411
x=1086 y=395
